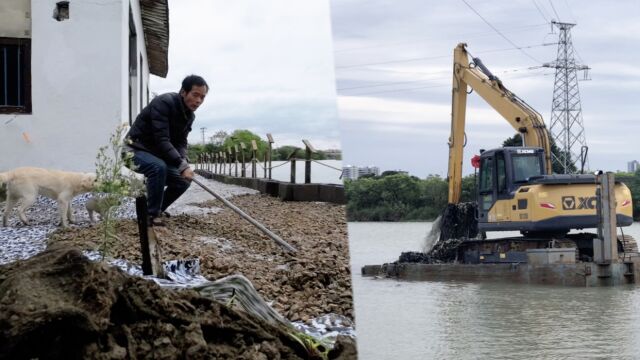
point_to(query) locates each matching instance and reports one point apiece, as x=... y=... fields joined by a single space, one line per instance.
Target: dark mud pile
x=459 y=221
x=59 y=304
x=313 y=282
x=444 y=251
x=455 y=224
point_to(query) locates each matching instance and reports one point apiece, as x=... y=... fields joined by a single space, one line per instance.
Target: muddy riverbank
x=314 y=281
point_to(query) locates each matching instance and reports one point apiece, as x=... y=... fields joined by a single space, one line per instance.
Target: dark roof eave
x=155 y=25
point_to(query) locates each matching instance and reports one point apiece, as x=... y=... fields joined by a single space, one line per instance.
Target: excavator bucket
x=458 y=221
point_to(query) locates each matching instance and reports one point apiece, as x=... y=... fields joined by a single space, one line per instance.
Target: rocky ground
x=312 y=282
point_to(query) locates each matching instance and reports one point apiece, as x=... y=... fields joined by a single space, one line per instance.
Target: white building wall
x=79 y=86
x=142 y=77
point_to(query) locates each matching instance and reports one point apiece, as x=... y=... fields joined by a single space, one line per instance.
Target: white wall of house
x=79 y=86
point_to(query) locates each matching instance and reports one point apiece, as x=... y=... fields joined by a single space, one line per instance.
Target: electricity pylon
x=567 y=128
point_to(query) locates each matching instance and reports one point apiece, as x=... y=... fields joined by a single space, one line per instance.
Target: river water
x=463 y=320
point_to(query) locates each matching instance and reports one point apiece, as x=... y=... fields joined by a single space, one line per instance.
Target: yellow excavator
x=516 y=187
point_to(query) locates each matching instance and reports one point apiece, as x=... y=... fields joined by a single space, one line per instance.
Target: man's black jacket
x=162 y=128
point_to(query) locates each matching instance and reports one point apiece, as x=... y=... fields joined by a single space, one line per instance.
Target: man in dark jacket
x=158 y=139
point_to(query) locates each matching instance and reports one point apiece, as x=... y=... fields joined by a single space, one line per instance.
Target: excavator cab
x=503 y=171
x=515 y=193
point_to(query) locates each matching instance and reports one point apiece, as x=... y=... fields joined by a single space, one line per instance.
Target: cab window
x=502 y=175
x=526 y=166
x=486 y=175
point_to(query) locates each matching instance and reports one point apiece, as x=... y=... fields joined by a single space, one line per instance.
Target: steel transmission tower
x=567 y=128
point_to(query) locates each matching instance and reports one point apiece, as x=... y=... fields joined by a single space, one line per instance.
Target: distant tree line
x=223 y=141
x=399 y=197
x=394 y=196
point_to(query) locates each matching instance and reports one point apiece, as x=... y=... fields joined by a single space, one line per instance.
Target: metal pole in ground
x=255 y=223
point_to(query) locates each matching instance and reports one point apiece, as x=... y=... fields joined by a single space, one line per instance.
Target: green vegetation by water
x=225 y=142
x=399 y=197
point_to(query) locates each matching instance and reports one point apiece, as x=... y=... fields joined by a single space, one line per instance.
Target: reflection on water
x=461 y=320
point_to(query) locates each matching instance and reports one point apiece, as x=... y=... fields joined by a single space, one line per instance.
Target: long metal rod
x=262 y=228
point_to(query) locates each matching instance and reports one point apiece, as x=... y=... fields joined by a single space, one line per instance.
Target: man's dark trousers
x=159 y=175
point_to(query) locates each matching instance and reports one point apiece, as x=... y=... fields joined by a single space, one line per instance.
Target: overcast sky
x=269 y=65
x=394 y=62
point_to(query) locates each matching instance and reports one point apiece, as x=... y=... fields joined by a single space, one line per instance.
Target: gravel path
x=18 y=241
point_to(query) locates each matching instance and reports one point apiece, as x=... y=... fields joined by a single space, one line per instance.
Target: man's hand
x=187 y=174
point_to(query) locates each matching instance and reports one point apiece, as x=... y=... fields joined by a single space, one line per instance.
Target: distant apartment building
x=354 y=172
x=632 y=166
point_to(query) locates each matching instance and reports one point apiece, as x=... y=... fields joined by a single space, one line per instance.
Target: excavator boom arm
x=521 y=116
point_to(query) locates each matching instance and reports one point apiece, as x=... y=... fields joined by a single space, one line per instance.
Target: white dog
x=27 y=182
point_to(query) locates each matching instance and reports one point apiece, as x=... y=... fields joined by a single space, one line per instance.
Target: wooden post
x=229 y=158
x=244 y=168
x=270 y=138
x=254 y=159
x=235 y=159
x=215 y=163
x=307 y=161
x=292 y=158
x=206 y=162
x=149 y=245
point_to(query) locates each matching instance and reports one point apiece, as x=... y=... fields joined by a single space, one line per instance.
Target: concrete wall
x=79 y=82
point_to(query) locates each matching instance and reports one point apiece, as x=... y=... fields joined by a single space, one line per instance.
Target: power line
x=554 y=10
x=431 y=79
x=444 y=56
x=398 y=90
x=392 y=83
x=540 y=11
x=434 y=86
x=466 y=36
x=501 y=34
x=570 y=12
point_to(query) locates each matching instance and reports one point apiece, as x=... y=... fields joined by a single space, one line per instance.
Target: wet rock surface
x=59 y=304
